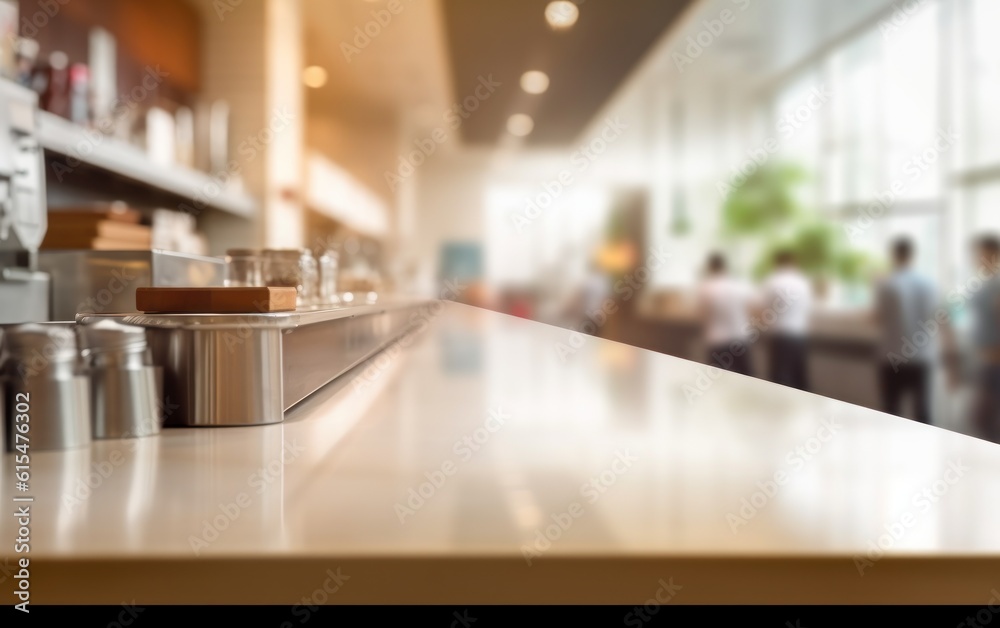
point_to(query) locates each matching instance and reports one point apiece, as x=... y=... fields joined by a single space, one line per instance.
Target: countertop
x=491 y=459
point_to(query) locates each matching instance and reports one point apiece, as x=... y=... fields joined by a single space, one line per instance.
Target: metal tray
x=247 y=369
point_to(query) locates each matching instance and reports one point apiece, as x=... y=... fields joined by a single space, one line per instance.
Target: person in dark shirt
x=904 y=306
x=985 y=306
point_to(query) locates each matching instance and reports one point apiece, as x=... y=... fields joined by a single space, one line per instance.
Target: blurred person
x=724 y=303
x=788 y=302
x=595 y=290
x=904 y=303
x=985 y=306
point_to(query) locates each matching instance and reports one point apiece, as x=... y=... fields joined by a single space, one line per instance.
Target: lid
x=241 y=252
x=54 y=341
x=109 y=335
x=284 y=253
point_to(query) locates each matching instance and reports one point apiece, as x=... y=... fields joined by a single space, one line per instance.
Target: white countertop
x=214 y=515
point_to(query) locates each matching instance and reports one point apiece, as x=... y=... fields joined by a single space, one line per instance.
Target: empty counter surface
x=490 y=459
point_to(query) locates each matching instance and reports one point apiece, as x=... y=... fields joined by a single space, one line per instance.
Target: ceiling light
x=314 y=76
x=561 y=14
x=520 y=124
x=535 y=82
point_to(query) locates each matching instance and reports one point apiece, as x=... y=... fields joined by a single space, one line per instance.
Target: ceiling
x=586 y=64
x=373 y=79
x=431 y=55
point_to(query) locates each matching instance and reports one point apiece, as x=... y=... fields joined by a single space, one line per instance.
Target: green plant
x=766 y=206
x=766 y=199
x=821 y=251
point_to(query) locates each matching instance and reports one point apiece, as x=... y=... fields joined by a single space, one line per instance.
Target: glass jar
x=329 y=267
x=308 y=278
x=281 y=268
x=292 y=268
x=243 y=268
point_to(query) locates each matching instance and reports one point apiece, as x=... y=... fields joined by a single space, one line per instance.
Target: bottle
x=309 y=278
x=56 y=98
x=329 y=267
x=79 y=94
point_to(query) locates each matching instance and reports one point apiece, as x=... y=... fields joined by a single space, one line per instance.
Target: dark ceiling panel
x=586 y=64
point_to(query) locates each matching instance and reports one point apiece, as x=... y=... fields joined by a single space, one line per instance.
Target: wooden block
x=56 y=240
x=94 y=244
x=215 y=300
x=93 y=213
x=108 y=229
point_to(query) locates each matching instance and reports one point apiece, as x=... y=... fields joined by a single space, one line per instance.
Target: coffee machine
x=24 y=290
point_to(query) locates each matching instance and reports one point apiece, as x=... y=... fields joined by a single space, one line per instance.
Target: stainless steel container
x=247 y=369
x=125 y=389
x=3 y=413
x=42 y=370
x=3 y=400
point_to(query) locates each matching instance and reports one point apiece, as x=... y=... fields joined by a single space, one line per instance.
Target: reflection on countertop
x=523 y=462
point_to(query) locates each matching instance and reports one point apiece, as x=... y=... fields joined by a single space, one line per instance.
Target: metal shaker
x=3 y=401
x=42 y=372
x=125 y=388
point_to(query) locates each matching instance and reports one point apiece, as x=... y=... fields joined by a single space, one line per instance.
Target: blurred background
x=576 y=163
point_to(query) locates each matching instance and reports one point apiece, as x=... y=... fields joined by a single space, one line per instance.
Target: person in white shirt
x=787 y=306
x=724 y=302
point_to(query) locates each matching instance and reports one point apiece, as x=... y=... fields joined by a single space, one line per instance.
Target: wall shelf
x=62 y=137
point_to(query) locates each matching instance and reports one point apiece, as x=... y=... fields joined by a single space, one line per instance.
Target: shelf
x=60 y=136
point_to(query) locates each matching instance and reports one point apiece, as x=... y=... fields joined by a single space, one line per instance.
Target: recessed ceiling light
x=314 y=76
x=535 y=82
x=562 y=14
x=520 y=124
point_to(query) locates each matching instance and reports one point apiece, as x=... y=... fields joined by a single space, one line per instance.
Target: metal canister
x=3 y=401
x=125 y=388
x=44 y=380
